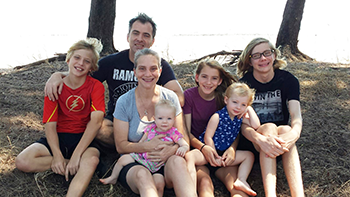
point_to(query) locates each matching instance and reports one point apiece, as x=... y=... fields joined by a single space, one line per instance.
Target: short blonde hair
x=166 y=103
x=243 y=65
x=241 y=89
x=92 y=44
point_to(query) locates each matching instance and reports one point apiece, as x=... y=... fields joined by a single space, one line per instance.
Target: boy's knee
x=284 y=129
x=268 y=129
x=22 y=164
x=94 y=160
x=91 y=161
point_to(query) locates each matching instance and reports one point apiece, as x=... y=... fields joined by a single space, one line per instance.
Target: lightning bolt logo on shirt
x=75 y=103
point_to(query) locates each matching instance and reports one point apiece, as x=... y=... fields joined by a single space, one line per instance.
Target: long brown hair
x=227 y=79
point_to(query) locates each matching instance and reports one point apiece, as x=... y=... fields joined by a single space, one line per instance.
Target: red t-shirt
x=73 y=108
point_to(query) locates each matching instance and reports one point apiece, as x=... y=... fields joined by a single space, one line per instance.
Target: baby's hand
x=181 y=151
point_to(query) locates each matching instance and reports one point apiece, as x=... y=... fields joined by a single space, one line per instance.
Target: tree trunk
x=287 y=38
x=101 y=24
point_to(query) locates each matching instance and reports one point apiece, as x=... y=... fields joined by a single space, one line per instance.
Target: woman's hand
x=162 y=152
x=212 y=156
x=228 y=157
x=58 y=165
x=155 y=142
x=73 y=166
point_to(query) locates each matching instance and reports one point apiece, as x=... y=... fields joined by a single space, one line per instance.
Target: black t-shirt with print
x=117 y=70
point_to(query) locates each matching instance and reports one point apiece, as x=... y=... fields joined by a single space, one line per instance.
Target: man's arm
x=54 y=85
x=175 y=86
x=296 y=123
x=271 y=145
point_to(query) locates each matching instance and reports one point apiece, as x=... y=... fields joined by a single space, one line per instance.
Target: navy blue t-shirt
x=271 y=101
x=271 y=98
x=117 y=70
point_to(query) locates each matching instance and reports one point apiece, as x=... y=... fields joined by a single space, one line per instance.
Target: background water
x=37 y=29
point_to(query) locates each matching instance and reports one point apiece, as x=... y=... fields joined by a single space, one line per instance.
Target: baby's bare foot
x=109 y=180
x=244 y=186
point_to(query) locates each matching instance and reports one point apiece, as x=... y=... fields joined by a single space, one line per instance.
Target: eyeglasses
x=266 y=53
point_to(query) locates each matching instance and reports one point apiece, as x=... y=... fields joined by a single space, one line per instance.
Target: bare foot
x=244 y=186
x=109 y=180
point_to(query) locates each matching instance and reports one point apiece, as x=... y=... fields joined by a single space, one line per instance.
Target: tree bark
x=101 y=24
x=287 y=39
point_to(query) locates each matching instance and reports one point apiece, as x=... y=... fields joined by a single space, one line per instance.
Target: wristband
x=202 y=147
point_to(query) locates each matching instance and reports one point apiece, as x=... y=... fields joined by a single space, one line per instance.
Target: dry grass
x=323 y=145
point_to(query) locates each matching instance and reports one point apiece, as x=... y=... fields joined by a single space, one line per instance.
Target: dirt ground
x=323 y=145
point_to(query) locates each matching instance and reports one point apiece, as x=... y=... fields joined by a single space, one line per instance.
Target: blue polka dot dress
x=226 y=132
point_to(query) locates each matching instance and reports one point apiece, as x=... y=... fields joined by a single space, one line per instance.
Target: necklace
x=144 y=112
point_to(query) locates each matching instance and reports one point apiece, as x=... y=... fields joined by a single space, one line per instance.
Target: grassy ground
x=323 y=145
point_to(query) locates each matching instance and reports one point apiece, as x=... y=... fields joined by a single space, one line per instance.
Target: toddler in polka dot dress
x=222 y=132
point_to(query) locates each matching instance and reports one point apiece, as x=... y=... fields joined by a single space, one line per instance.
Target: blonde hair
x=227 y=79
x=241 y=89
x=244 y=64
x=92 y=44
x=167 y=104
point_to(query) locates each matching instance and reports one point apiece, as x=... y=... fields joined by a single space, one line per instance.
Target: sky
x=37 y=29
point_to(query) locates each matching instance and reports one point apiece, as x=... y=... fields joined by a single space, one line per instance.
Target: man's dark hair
x=143 y=18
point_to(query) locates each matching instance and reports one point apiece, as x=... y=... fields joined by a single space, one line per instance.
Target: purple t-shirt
x=201 y=110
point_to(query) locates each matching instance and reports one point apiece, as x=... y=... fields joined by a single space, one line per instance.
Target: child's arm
x=251 y=118
x=194 y=142
x=210 y=131
x=229 y=155
x=89 y=134
x=188 y=121
x=58 y=164
x=184 y=147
